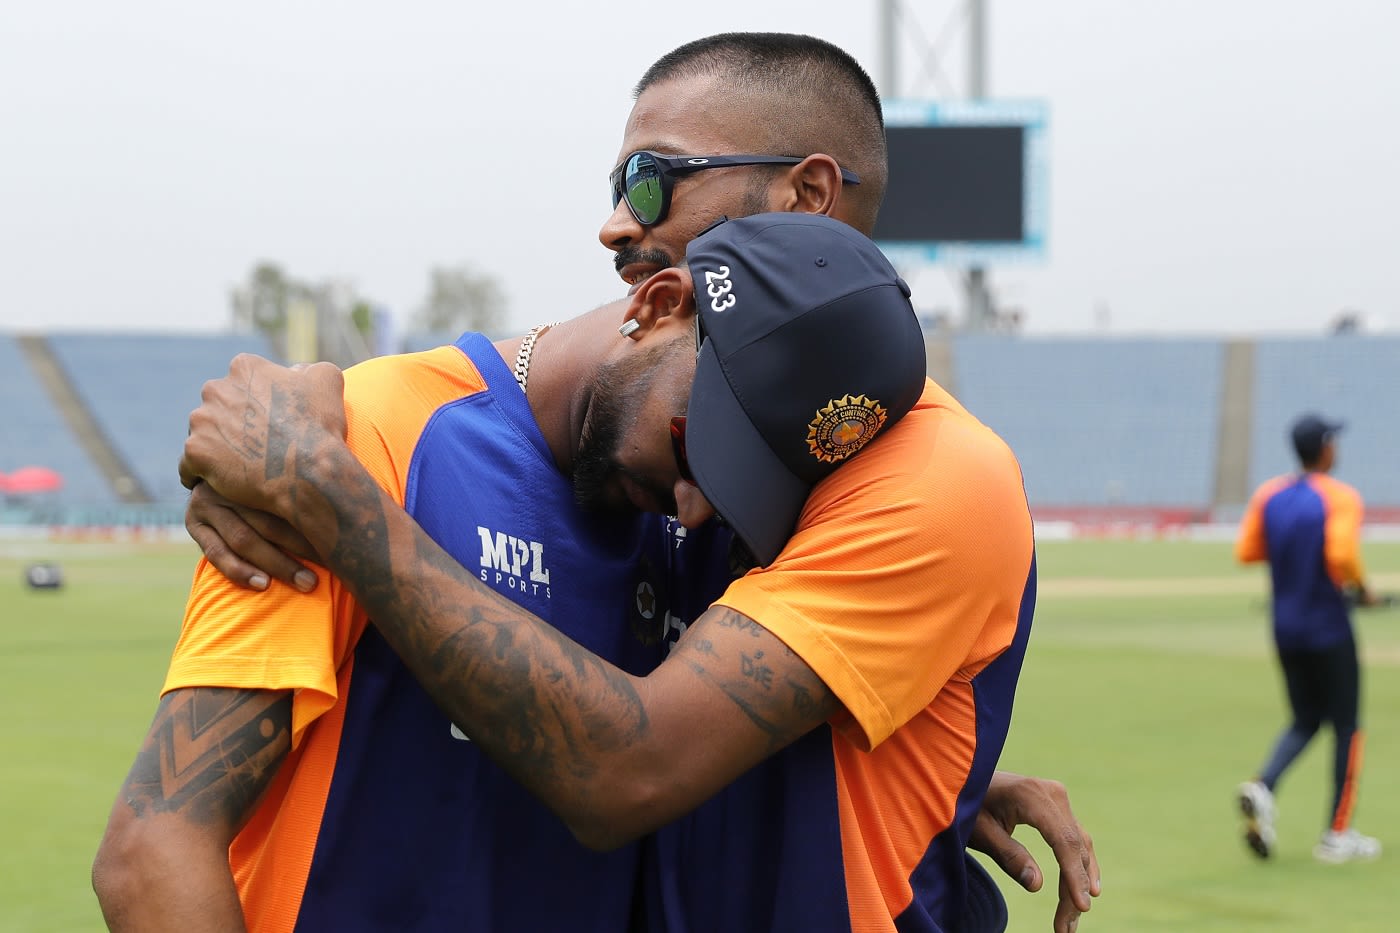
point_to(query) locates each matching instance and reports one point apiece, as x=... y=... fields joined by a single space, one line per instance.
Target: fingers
x=1080 y=883
x=1071 y=844
x=1092 y=866
x=222 y=558
x=992 y=838
x=248 y=546
x=278 y=532
x=202 y=448
x=246 y=558
x=1074 y=900
x=1066 y=917
x=237 y=549
x=251 y=423
x=188 y=478
x=1013 y=800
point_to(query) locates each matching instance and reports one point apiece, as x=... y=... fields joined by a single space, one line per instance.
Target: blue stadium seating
x=33 y=433
x=1352 y=377
x=142 y=387
x=1116 y=422
x=1096 y=422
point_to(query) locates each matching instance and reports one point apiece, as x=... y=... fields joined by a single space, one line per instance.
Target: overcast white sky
x=1226 y=166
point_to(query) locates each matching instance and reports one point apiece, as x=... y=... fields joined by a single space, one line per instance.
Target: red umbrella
x=31 y=479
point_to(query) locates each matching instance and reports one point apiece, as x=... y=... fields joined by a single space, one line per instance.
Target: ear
x=666 y=294
x=813 y=186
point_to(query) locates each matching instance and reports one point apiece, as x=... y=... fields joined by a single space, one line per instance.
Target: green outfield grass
x=1148 y=689
x=80 y=669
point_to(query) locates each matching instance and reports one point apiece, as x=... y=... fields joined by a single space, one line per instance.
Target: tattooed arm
x=206 y=760
x=614 y=755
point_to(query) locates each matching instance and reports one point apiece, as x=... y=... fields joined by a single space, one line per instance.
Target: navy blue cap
x=810 y=349
x=984 y=911
x=1310 y=432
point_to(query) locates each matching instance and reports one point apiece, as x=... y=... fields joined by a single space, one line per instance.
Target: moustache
x=629 y=255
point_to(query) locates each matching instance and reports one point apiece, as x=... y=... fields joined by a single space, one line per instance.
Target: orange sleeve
x=1250 y=543
x=1343 y=533
x=906 y=570
x=282 y=639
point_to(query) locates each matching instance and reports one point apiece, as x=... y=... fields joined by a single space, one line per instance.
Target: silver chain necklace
x=527 y=347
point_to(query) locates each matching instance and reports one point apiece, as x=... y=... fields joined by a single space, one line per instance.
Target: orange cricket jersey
x=908 y=588
x=1308 y=527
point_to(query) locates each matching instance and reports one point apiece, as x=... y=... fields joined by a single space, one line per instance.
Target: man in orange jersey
x=703 y=98
x=1308 y=527
x=866 y=664
x=778 y=95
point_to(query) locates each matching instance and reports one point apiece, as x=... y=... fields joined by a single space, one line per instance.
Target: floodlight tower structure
x=980 y=314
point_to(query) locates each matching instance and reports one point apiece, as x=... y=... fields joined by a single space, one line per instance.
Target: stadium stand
x=33 y=433
x=1153 y=431
x=1100 y=422
x=1351 y=377
x=141 y=388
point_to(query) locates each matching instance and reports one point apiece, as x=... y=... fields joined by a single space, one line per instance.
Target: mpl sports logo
x=513 y=563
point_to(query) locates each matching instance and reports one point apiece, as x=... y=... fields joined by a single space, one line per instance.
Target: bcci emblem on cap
x=823 y=324
x=843 y=426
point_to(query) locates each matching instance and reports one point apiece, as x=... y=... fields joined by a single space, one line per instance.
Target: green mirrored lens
x=615 y=183
x=643 y=186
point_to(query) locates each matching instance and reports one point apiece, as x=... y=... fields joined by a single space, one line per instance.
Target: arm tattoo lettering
x=782 y=708
x=804 y=701
x=248 y=439
x=210 y=754
x=754 y=669
x=741 y=623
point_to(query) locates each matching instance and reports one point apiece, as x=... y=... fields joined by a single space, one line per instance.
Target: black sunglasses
x=645 y=179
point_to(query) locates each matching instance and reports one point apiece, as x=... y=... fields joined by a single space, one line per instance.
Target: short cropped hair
x=824 y=101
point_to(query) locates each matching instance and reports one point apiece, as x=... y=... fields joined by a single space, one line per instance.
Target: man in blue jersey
x=296 y=776
x=1307 y=526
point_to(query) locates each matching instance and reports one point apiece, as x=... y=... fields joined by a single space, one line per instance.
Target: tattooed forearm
x=575 y=730
x=210 y=754
x=782 y=708
x=542 y=703
x=545 y=708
